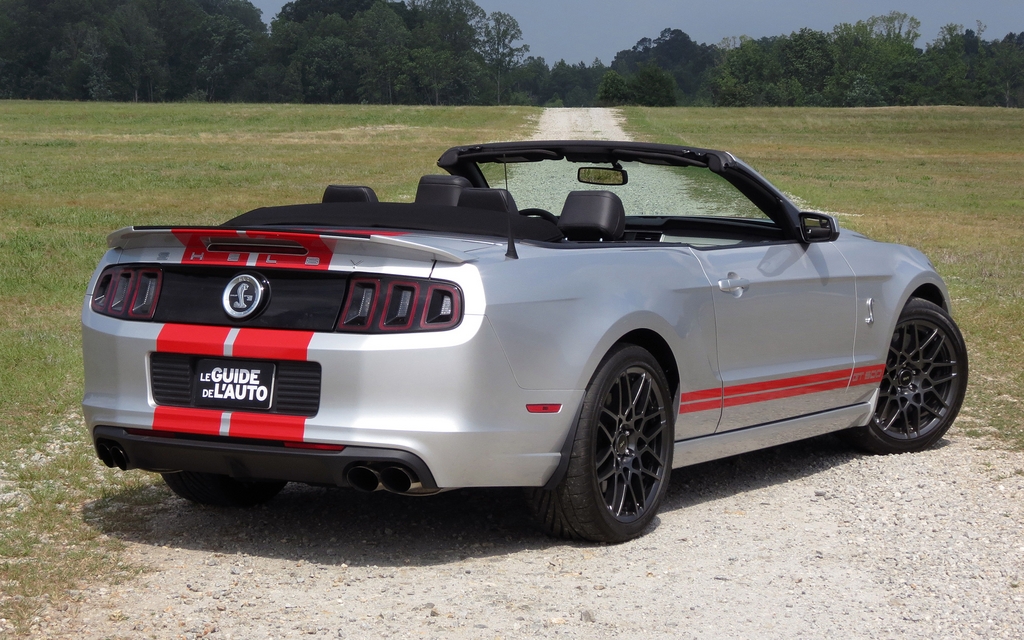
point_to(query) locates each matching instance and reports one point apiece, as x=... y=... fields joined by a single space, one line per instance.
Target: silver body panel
x=456 y=398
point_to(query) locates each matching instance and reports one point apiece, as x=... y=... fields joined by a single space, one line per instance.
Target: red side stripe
x=185 y=420
x=706 y=405
x=732 y=401
x=193 y=339
x=708 y=399
x=271 y=344
x=707 y=394
x=267 y=426
x=783 y=383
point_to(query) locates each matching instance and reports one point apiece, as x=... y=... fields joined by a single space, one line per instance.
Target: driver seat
x=590 y=216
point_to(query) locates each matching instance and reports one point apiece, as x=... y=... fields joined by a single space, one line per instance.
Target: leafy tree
x=135 y=51
x=653 y=87
x=227 y=47
x=324 y=71
x=614 y=90
x=500 y=32
x=382 y=53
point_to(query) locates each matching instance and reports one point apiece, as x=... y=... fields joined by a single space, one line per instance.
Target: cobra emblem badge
x=244 y=295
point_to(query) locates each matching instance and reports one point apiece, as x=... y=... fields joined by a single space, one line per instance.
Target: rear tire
x=621 y=457
x=923 y=385
x=221 y=491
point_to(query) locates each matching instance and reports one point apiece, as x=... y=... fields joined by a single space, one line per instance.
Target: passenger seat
x=439 y=189
x=348 y=193
x=490 y=199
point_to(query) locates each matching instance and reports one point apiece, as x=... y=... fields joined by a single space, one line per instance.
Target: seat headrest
x=491 y=199
x=348 y=193
x=438 y=189
x=592 y=215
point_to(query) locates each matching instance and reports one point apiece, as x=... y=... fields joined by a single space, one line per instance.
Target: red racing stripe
x=271 y=344
x=186 y=420
x=192 y=339
x=708 y=399
x=267 y=426
x=732 y=401
x=707 y=394
x=783 y=383
x=706 y=405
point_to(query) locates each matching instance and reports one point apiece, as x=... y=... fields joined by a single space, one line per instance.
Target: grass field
x=946 y=180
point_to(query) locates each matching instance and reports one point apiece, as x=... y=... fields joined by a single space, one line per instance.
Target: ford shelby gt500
x=577 y=318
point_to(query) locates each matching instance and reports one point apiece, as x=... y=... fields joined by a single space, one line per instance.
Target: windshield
x=651 y=190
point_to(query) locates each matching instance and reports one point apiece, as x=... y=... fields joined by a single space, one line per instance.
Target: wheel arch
x=931 y=293
x=659 y=348
x=644 y=338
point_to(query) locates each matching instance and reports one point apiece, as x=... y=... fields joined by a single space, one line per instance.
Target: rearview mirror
x=603 y=176
x=818 y=227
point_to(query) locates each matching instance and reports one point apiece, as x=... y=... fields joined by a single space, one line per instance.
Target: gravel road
x=804 y=540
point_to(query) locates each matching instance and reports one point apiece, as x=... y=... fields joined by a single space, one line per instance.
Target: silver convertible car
x=577 y=318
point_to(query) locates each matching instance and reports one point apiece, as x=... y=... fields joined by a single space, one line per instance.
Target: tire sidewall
x=918 y=309
x=584 y=452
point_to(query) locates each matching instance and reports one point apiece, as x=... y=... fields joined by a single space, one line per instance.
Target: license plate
x=234 y=384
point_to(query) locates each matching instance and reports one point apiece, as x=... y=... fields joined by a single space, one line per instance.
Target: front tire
x=621 y=457
x=923 y=385
x=221 y=491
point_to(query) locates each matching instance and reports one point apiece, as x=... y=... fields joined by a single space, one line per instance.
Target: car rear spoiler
x=290 y=248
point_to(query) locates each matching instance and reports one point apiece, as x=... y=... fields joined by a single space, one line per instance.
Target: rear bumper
x=448 y=399
x=253 y=461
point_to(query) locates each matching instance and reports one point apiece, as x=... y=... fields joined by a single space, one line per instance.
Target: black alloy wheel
x=621 y=457
x=923 y=385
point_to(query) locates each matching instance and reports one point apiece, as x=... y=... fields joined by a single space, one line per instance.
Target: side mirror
x=602 y=176
x=818 y=227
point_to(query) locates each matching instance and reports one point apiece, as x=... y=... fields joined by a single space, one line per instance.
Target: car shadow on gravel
x=718 y=479
x=333 y=526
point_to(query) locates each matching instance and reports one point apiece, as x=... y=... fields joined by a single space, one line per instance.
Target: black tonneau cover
x=401 y=216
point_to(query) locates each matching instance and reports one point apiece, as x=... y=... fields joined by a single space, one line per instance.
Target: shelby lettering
x=234 y=384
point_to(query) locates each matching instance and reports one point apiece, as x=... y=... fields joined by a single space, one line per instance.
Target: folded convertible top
x=405 y=216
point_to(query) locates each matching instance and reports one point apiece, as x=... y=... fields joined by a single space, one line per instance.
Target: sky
x=581 y=30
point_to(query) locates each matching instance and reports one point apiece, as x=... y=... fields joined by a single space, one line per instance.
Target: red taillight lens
x=127 y=292
x=389 y=304
x=360 y=304
x=400 y=307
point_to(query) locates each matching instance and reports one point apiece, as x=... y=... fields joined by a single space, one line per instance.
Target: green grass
x=946 y=180
x=71 y=173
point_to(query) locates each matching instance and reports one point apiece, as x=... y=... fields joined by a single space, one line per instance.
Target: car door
x=785 y=314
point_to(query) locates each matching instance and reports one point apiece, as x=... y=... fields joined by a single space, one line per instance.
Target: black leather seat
x=592 y=216
x=348 y=193
x=490 y=199
x=438 y=189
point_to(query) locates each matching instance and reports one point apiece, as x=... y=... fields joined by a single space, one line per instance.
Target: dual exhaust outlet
x=112 y=454
x=390 y=477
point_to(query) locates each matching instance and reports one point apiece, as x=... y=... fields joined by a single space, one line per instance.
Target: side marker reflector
x=544 y=408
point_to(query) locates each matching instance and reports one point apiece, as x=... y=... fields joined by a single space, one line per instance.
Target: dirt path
x=580 y=124
x=808 y=539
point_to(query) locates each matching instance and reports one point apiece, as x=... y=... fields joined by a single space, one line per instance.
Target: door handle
x=735 y=286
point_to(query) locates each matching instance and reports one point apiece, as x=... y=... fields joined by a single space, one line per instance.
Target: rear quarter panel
x=557 y=312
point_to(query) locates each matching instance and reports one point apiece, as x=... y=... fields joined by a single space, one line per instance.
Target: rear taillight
x=390 y=304
x=127 y=292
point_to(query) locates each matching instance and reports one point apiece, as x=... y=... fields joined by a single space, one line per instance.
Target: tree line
x=453 y=52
